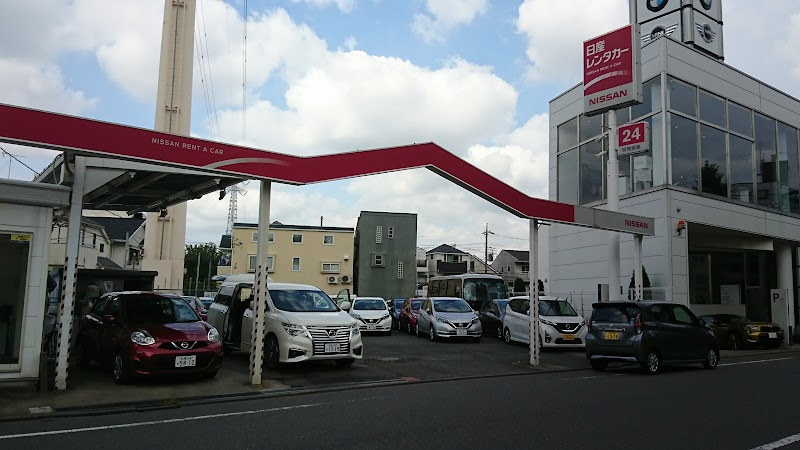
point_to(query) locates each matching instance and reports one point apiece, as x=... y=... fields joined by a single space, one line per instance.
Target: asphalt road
x=743 y=404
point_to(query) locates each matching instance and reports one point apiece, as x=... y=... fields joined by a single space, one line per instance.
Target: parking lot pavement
x=401 y=356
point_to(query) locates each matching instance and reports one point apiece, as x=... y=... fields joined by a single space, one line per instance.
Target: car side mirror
x=203 y=317
x=345 y=306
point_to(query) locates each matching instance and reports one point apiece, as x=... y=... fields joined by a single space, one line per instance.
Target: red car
x=146 y=333
x=408 y=315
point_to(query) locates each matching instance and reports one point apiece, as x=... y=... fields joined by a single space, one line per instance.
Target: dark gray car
x=649 y=333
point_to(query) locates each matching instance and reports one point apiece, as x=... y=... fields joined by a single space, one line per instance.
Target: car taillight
x=638 y=324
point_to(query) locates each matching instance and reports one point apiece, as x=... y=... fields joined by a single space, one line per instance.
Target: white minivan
x=302 y=323
x=559 y=324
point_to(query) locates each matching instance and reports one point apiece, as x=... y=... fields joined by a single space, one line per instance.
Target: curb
x=176 y=403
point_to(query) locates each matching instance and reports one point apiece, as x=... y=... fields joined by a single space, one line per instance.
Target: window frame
x=294 y=235
x=254 y=236
x=299 y=267
x=330 y=269
x=325 y=236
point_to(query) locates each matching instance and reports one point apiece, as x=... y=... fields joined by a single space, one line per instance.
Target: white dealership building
x=721 y=178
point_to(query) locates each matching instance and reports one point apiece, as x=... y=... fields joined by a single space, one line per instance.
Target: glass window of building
x=568 y=177
x=624 y=173
x=789 y=170
x=767 y=193
x=683 y=149
x=590 y=126
x=741 y=173
x=682 y=97
x=568 y=134
x=591 y=172
x=740 y=119
x=713 y=161
x=712 y=109
x=651 y=99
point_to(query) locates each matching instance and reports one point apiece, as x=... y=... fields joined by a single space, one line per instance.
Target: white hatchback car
x=559 y=324
x=372 y=314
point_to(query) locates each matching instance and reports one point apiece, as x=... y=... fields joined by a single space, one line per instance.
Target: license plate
x=461 y=332
x=773 y=335
x=569 y=337
x=612 y=335
x=333 y=348
x=185 y=361
x=370 y=327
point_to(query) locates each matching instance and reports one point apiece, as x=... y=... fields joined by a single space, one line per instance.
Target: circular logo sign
x=658 y=5
x=184 y=345
x=706 y=4
x=658 y=32
x=707 y=33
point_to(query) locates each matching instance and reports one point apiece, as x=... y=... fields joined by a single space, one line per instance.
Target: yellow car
x=736 y=332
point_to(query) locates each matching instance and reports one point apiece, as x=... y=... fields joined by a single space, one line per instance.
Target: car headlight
x=294 y=330
x=474 y=320
x=386 y=317
x=547 y=322
x=354 y=330
x=142 y=337
x=443 y=320
x=213 y=335
x=753 y=328
x=583 y=322
x=356 y=316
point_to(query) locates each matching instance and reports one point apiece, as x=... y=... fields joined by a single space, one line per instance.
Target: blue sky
x=326 y=76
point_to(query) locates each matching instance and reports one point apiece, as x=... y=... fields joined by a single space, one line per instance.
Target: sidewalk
x=92 y=391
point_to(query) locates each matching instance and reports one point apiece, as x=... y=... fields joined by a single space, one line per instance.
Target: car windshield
x=455 y=305
x=415 y=304
x=302 y=301
x=398 y=304
x=369 y=304
x=149 y=308
x=740 y=320
x=502 y=304
x=556 y=308
x=614 y=314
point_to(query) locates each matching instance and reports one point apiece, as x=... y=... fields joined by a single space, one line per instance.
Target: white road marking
x=756 y=362
x=781 y=443
x=594 y=376
x=159 y=422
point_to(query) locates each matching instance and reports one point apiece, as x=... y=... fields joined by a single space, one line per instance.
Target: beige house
x=319 y=256
x=94 y=251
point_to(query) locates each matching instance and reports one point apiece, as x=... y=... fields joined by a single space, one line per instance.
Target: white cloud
x=444 y=15
x=343 y=5
x=40 y=86
x=556 y=29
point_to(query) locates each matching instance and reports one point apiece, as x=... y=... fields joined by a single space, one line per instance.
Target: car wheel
x=712 y=358
x=652 y=363
x=120 y=370
x=345 y=362
x=499 y=333
x=432 y=334
x=507 y=336
x=598 y=364
x=272 y=353
x=733 y=342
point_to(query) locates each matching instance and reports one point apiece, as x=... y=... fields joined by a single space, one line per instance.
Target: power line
x=208 y=62
x=17 y=160
x=244 y=78
x=198 y=51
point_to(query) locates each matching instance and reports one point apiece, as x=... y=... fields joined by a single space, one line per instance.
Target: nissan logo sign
x=184 y=345
x=658 y=5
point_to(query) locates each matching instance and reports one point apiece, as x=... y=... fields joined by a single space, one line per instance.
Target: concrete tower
x=165 y=233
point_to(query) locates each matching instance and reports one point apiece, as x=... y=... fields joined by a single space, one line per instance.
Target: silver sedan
x=448 y=317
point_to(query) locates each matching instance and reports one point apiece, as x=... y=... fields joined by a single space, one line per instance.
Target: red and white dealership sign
x=612 y=74
x=633 y=138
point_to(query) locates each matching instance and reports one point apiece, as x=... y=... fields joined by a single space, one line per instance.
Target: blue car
x=395 y=308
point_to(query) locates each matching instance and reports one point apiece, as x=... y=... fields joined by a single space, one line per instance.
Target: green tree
x=519 y=285
x=208 y=256
x=646 y=295
x=714 y=182
x=541 y=286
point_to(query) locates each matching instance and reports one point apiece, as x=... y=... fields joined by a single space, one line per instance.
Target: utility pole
x=486 y=249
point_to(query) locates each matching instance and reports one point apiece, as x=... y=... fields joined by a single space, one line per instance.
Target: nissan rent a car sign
x=612 y=71
x=633 y=138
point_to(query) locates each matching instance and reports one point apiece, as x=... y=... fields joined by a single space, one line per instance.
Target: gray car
x=448 y=317
x=649 y=333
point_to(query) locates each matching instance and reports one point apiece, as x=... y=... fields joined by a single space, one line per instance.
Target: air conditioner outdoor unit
x=332 y=279
x=345 y=279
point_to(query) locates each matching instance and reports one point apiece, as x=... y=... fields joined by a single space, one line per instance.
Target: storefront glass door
x=15 y=252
